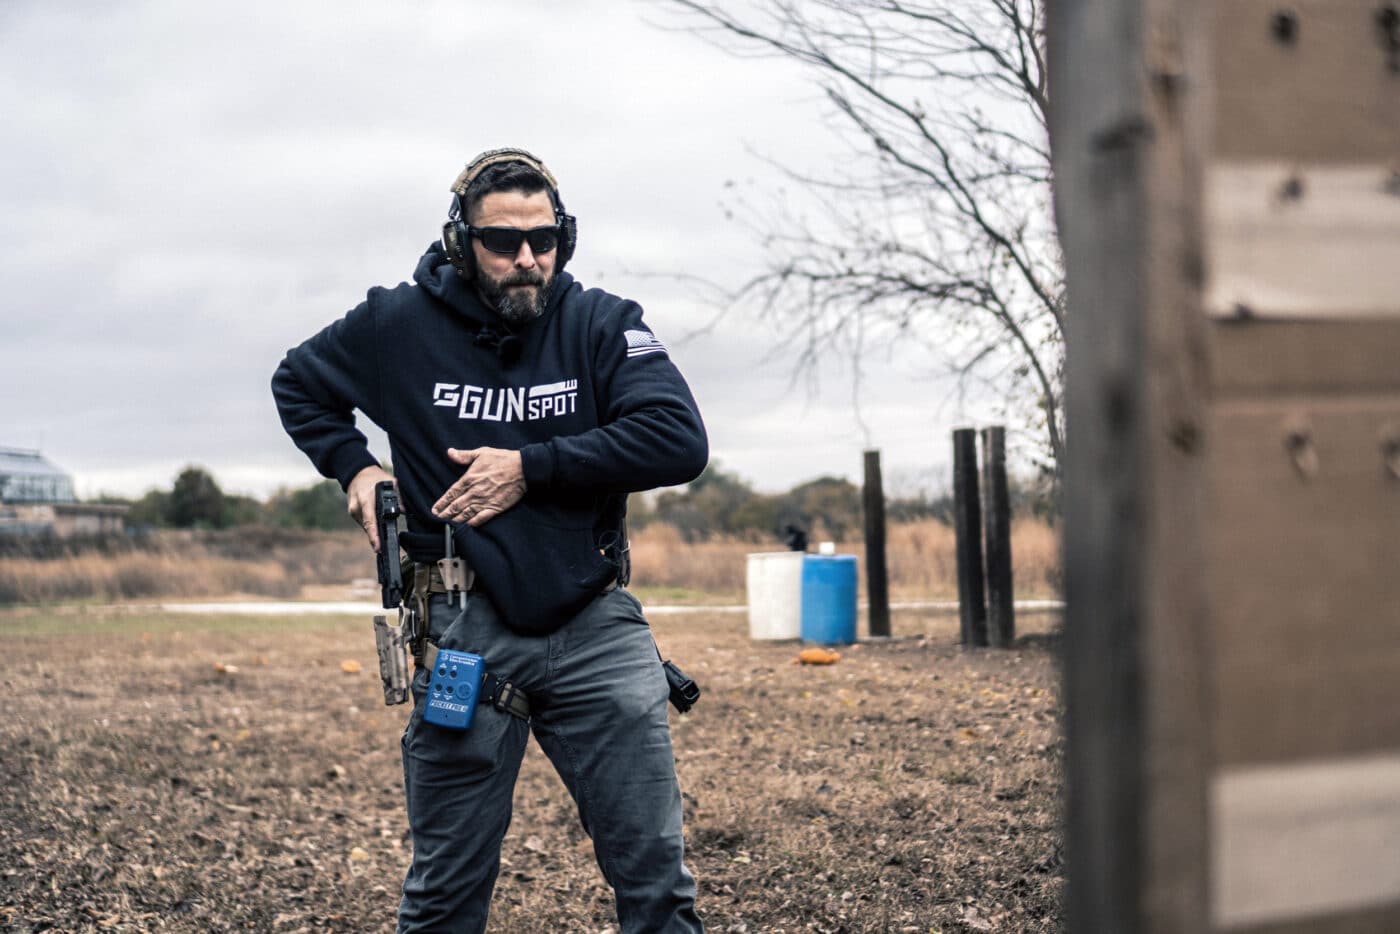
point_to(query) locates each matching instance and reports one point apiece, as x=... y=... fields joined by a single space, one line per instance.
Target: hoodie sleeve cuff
x=537 y=463
x=349 y=461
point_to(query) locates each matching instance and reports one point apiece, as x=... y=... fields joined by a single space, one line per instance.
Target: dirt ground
x=180 y=773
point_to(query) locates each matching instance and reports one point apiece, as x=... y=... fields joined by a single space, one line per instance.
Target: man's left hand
x=494 y=481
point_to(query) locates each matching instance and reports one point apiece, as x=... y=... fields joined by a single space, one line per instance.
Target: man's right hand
x=360 y=500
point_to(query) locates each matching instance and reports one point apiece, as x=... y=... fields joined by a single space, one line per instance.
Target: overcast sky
x=191 y=188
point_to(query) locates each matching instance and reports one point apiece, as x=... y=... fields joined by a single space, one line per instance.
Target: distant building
x=37 y=498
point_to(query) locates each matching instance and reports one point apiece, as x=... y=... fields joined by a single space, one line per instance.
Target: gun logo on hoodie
x=508 y=404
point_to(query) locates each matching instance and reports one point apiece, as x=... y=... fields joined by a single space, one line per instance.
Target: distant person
x=521 y=410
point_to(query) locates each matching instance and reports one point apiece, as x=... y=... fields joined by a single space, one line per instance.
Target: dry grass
x=252 y=561
x=661 y=559
x=912 y=787
x=278 y=563
x=921 y=557
x=136 y=575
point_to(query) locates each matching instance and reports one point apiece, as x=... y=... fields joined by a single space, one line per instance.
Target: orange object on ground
x=818 y=657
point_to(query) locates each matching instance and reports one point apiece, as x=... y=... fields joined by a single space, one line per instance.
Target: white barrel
x=775 y=595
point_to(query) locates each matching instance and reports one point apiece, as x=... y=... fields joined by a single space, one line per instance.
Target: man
x=521 y=409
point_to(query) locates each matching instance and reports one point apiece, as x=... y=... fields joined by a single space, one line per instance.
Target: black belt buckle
x=506 y=697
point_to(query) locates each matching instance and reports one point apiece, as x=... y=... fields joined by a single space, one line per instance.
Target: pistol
x=386 y=517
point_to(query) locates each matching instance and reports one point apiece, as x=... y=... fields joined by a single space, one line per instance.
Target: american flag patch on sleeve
x=642 y=342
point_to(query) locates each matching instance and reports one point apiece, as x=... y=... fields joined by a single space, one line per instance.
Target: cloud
x=193 y=188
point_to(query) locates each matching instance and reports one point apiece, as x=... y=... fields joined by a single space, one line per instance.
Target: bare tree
x=939 y=227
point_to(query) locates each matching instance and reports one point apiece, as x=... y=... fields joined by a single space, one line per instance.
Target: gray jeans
x=598 y=709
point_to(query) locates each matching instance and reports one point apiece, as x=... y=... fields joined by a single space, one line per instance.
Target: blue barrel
x=829 y=599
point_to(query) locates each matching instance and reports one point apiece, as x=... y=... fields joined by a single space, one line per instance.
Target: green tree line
x=720 y=503
x=196 y=501
x=717 y=503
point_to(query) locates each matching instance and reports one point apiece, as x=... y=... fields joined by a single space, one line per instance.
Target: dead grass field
x=281 y=563
x=912 y=787
x=253 y=560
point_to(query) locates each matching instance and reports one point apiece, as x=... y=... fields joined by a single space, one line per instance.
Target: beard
x=516 y=305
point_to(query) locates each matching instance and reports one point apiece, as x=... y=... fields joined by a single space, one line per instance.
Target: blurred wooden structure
x=1228 y=197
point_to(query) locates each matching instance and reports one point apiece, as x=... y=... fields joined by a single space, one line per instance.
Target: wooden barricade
x=1228 y=197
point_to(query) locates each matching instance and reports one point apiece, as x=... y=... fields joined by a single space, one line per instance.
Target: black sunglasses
x=508 y=239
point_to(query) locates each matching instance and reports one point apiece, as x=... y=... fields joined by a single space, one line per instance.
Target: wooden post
x=1130 y=87
x=996 y=528
x=877 y=580
x=967 y=512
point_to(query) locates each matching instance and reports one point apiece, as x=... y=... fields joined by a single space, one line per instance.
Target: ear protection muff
x=456 y=238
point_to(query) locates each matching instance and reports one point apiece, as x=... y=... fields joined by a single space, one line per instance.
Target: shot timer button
x=454 y=671
x=442 y=669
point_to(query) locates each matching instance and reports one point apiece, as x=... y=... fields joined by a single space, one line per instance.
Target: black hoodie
x=592 y=402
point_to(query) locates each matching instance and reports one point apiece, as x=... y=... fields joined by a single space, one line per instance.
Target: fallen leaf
x=974 y=921
x=358 y=854
x=350 y=666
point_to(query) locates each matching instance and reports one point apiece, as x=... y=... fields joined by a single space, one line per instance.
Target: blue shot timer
x=453 y=689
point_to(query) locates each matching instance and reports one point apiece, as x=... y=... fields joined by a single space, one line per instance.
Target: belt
x=430 y=577
x=432 y=573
